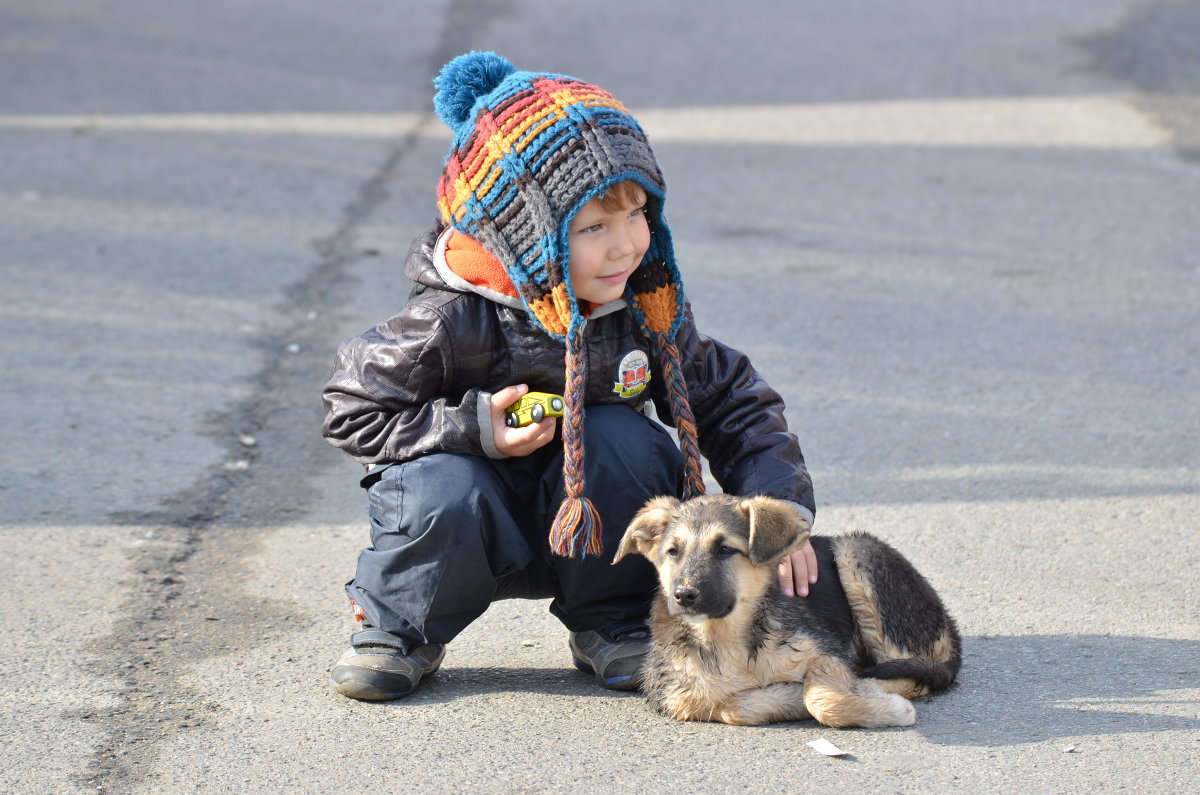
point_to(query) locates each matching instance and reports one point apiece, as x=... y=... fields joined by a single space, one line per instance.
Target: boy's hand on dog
x=517 y=442
x=798 y=570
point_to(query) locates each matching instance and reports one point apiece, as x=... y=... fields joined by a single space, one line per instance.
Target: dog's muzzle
x=689 y=603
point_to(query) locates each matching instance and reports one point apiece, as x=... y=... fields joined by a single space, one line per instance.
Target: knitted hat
x=530 y=150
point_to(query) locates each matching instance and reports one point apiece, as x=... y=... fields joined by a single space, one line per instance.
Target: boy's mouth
x=615 y=278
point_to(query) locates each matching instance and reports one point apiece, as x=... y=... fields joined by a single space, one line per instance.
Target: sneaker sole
x=626 y=682
x=365 y=683
x=362 y=691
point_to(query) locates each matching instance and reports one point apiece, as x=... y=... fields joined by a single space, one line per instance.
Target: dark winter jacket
x=420 y=381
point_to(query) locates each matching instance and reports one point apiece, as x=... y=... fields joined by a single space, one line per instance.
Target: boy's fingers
x=800 y=573
x=530 y=437
x=810 y=556
x=507 y=396
x=541 y=432
x=795 y=574
x=785 y=575
x=527 y=433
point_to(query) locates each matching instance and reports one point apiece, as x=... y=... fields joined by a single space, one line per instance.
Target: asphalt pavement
x=960 y=239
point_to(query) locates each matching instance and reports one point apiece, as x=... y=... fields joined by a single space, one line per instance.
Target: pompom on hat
x=530 y=150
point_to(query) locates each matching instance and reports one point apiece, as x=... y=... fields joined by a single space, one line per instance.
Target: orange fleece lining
x=468 y=259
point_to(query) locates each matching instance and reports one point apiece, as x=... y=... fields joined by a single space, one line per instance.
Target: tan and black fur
x=728 y=646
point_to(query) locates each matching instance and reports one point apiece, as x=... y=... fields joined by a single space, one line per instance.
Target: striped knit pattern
x=530 y=149
x=535 y=150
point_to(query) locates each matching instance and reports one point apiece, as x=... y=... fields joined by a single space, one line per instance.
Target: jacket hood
x=418 y=265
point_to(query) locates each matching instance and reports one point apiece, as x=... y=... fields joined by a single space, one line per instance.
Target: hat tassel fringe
x=576 y=529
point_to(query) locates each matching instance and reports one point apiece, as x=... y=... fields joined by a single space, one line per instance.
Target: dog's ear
x=646 y=529
x=776 y=528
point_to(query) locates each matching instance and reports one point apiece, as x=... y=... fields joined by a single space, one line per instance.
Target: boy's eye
x=635 y=212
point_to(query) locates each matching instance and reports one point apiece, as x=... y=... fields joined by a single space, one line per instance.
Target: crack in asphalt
x=146 y=651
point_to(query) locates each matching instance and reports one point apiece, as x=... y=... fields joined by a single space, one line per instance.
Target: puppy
x=726 y=645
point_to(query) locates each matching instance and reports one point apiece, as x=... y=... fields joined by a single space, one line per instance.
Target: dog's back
x=824 y=614
x=873 y=610
x=905 y=631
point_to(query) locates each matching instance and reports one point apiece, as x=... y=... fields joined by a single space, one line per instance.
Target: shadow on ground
x=1037 y=688
x=1014 y=690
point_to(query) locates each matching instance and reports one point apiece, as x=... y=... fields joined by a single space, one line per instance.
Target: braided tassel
x=685 y=421
x=576 y=529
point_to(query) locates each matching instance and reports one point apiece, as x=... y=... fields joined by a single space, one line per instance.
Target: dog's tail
x=930 y=676
x=906 y=633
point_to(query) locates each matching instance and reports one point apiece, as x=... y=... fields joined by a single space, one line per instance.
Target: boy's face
x=607 y=245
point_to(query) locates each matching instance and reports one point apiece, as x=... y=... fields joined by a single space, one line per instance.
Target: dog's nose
x=686 y=596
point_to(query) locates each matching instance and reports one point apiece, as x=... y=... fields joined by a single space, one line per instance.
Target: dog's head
x=712 y=552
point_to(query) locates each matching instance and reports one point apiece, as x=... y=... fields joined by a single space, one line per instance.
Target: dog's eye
x=672 y=552
x=726 y=551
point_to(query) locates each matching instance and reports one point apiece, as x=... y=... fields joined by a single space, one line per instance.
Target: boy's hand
x=798 y=571
x=517 y=441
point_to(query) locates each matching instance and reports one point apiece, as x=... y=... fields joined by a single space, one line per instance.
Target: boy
x=552 y=254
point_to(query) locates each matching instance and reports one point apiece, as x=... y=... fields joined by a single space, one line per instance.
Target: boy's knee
x=442 y=487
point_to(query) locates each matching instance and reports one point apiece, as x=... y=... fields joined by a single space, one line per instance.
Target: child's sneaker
x=613 y=653
x=379 y=666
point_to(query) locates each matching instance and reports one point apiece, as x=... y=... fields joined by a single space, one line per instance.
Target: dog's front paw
x=904 y=713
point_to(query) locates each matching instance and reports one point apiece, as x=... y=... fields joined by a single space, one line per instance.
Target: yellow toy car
x=532 y=408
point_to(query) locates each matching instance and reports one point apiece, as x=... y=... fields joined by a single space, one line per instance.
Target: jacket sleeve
x=740 y=420
x=392 y=395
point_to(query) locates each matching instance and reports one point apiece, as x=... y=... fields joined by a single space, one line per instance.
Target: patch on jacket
x=633 y=374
